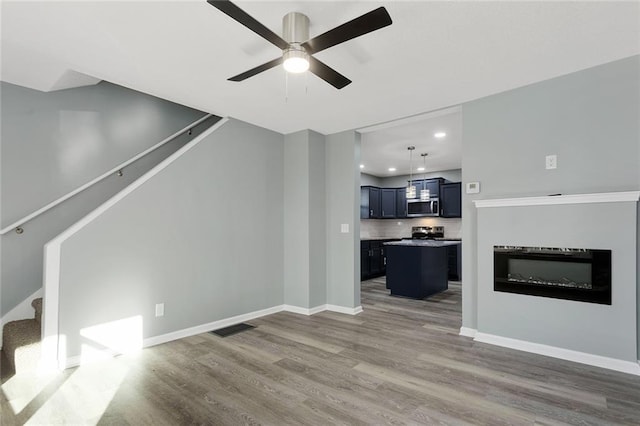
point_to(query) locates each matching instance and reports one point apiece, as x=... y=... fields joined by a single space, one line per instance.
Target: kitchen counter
x=423 y=243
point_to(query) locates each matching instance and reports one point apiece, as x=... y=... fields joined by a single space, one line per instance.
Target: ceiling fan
x=297 y=48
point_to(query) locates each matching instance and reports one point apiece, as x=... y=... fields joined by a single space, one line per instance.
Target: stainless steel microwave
x=419 y=208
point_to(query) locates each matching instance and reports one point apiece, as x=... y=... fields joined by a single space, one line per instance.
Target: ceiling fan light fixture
x=295 y=60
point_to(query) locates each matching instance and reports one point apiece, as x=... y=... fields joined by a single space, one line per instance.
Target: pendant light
x=411 y=189
x=424 y=192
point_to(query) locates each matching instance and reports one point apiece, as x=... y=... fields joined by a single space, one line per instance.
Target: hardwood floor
x=401 y=361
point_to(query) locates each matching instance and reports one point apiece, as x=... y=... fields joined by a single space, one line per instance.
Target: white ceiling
x=434 y=55
x=385 y=146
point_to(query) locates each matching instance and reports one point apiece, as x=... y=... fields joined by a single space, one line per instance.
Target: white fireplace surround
x=602 y=197
x=600 y=335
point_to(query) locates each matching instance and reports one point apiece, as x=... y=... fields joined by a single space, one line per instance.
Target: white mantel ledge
x=604 y=197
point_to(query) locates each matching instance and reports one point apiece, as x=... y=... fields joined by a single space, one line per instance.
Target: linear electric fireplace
x=562 y=273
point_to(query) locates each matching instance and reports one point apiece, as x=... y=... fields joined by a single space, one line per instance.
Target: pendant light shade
x=424 y=193
x=411 y=189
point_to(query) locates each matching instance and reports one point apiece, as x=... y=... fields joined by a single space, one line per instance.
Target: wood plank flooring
x=401 y=361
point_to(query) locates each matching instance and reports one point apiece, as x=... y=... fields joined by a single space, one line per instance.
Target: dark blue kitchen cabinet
x=454 y=262
x=388 y=202
x=433 y=185
x=365 y=263
x=370 y=206
x=401 y=202
x=376 y=266
x=451 y=200
x=373 y=260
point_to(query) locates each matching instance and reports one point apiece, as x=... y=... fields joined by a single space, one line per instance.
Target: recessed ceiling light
x=362 y=166
x=421 y=169
x=392 y=169
x=440 y=135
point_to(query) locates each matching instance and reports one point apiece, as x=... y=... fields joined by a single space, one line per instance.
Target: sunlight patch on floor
x=85 y=396
x=21 y=389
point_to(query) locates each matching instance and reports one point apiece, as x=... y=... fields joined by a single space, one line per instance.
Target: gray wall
x=590 y=119
x=296 y=219
x=366 y=179
x=304 y=220
x=188 y=238
x=317 y=220
x=52 y=143
x=343 y=201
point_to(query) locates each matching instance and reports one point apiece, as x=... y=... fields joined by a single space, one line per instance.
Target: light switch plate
x=344 y=228
x=473 y=187
x=159 y=309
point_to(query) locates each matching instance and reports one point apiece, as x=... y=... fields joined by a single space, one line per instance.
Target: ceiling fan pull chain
x=286 y=87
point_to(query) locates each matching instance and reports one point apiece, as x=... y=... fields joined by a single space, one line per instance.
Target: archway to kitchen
x=410 y=245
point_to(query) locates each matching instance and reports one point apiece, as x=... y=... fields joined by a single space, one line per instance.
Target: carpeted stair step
x=37 y=305
x=21 y=344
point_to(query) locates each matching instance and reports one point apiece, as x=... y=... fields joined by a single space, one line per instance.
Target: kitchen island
x=417 y=268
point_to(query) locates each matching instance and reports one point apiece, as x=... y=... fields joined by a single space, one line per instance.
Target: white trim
x=344 y=309
x=23 y=310
x=304 y=311
x=50 y=305
x=51 y=348
x=468 y=332
x=214 y=325
x=76 y=191
x=605 y=197
x=630 y=367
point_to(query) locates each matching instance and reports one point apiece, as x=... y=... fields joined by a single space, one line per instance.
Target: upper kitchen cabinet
x=401 y=202
x=388 y=202
x=451 y=200
x=433 y=185
x=370 y=203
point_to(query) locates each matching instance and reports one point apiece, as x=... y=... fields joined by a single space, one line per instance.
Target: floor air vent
x=232 y=329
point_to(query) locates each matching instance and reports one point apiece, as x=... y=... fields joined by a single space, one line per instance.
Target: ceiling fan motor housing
x=295 y=27
x=295 y=31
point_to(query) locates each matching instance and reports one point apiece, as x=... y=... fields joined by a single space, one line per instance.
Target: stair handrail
x=16 y=225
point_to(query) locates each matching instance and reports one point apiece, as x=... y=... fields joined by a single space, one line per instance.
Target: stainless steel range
x=427 y=232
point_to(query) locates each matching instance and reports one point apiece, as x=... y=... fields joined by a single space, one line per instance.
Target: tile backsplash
x=401 y=228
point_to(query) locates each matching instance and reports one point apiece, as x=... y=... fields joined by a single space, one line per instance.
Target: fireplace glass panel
x=546 y=272
x=562 y=273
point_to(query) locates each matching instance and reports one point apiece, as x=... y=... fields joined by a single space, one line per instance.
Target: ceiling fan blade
x=233 y=11
x=327 y=73
x=374 y=20
x=257 y=70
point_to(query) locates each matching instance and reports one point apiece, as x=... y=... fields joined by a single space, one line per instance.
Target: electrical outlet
x=551 y=161
x=159 y=309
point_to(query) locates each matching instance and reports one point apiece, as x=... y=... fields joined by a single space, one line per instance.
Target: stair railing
x=17 y=225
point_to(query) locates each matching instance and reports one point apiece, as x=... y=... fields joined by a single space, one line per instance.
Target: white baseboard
x=215 y=325
x=468 y=332
x=344 y=309
x=24 y=310
x=320 y=308
x=75 y=361
x=303 y=311
x=561 y=353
